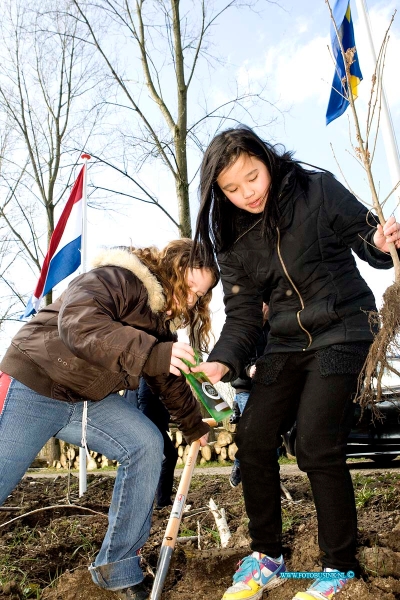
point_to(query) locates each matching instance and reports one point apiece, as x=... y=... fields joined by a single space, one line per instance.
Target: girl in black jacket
x=284 y=235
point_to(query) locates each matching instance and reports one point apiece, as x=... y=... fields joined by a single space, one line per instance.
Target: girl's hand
x=214 y=370
x=390 y=232
x=181 y=350
x=204 y=440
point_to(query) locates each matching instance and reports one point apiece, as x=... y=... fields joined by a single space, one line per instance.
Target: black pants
x=323 y=409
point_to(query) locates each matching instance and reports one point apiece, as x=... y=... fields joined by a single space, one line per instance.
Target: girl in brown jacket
x=112 y=325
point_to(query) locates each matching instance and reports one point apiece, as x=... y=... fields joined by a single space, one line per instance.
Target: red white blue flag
x=64 y=254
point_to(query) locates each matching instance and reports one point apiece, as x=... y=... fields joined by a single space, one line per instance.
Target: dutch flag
x=64 y=254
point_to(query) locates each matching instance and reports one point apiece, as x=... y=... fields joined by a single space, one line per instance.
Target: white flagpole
x=82 y=450
x=389 y=138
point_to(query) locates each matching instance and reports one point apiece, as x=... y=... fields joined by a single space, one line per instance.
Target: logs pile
x=221 y=449
x=69 y=458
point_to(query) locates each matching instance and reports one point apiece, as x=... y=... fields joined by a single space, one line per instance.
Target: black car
x=375 y=438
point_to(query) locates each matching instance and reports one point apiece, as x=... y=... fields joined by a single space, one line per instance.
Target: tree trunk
x=182 y=192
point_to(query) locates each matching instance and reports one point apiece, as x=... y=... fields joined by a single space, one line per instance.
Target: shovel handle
x=171 y=533
x=174 y=521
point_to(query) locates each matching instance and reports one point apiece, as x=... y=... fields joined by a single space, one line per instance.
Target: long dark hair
x=218 y=219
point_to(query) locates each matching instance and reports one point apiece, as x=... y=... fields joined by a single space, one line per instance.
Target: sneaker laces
x=246 y=567
x=326 y=585
x=252 y=565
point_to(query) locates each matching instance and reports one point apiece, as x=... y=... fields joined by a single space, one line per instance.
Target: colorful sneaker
x=235 y=477
x=322 y=589
x=255 y=574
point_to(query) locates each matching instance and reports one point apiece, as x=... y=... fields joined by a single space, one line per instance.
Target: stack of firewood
x=69 y=459
x=222 y=448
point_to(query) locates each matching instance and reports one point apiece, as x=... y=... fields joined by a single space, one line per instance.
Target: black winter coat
x=308 y=277
x=244 y=382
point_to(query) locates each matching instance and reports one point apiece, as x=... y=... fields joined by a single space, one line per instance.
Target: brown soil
x=45 y=555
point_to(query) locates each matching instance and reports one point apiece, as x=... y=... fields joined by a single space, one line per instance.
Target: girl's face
x=199 y=281
x=246 y=183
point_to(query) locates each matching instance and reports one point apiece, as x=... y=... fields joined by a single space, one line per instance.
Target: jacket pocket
x=319 y=316
x=70 y=371
x=284 y=324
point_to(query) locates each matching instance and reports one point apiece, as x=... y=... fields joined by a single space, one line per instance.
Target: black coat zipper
x=295 y=289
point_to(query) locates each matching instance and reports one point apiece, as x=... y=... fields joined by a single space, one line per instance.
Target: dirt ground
x=45 y=555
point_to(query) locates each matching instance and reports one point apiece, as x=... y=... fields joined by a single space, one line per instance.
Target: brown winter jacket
x=104 y=332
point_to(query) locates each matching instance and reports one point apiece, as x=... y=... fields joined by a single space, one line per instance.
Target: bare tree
x=167 y=40
x=387 y=320
x=44 y=75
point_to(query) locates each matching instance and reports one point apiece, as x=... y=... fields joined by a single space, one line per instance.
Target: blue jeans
x=241 y=398
x=116 y=429
x=154 y=409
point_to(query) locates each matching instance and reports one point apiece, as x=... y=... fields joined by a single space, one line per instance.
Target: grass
x=211 y=463
x=17 y=553
x=284 y=460
x=288 y=519
x=184 y=532
x=214 y=534
x=363 y=495
x=10 y=568
x=64 y=471
x=382 y=488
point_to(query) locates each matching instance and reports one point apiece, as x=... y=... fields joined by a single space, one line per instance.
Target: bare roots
x=386 y=343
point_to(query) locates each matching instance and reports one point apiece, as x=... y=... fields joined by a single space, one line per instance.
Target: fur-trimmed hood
x=118 y=257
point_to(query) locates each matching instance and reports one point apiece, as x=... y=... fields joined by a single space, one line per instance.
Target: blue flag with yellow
x=338 y=100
